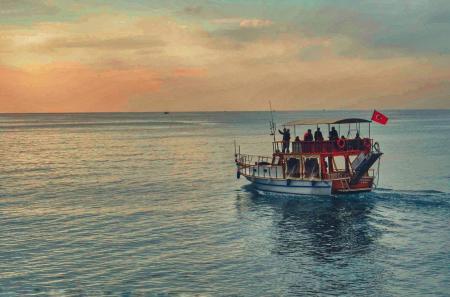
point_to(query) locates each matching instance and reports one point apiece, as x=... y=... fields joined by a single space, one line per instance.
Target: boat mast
x=272 y=123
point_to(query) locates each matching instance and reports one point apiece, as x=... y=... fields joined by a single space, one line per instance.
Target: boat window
x=311 y=166
x=293 y=167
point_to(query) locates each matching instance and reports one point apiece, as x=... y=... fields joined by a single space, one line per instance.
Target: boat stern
x=344 y=186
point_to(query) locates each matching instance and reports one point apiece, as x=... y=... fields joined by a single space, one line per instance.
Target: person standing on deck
x=333 y=134
x=308 y=136
x=318 y=135
x=357 y=142
x=286 y=139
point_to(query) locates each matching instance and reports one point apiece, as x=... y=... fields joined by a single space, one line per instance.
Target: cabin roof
x=326 y=121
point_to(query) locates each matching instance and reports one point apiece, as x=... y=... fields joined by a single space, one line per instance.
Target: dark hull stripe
x=289 y=186
x=297 y=194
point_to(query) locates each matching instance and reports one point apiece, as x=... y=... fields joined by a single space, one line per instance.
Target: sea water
x=148 y=204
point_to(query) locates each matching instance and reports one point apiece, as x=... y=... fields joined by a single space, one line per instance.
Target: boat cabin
x=327 y=157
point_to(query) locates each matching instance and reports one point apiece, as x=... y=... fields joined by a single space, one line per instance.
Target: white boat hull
x=288 y=186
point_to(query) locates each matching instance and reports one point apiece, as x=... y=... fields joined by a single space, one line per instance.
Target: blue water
x=147 y=204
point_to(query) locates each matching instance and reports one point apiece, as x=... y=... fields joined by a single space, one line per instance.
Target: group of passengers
x=308 y=136
x=333 y=135
x=318 y=137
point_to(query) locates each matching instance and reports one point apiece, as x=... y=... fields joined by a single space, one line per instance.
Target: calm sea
x=147 y=204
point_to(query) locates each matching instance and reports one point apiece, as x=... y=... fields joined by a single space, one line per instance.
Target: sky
x=108 y=56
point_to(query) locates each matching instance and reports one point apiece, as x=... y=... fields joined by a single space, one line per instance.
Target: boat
x=335 y=166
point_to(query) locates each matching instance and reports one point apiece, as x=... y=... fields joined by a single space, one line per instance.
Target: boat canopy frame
x=333 y=121
x=326 y=121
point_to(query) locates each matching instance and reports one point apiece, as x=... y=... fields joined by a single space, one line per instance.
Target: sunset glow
x=86 y=56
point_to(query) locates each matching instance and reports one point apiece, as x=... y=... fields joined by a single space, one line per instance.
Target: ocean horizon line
x=220 y=111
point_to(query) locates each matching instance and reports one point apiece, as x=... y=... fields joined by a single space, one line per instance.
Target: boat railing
x=326 y=146
x=260 y=166
x=249 y=160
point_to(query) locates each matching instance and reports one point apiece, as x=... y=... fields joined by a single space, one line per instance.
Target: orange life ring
x=340 y=143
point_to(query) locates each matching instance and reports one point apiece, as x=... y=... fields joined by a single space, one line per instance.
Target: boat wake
x=411 y=191
x=425 y=198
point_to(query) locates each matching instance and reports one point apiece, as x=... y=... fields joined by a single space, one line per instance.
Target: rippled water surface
x=148 y=205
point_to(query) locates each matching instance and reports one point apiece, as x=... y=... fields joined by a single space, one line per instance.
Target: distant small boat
x=311 y=167
x=166 y=112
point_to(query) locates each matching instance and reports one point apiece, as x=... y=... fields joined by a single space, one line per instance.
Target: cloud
x=157 y=41
x=17 y=8
x=115 y=43
x=189 y=72
x=383 y=28
x=226 y=21
x=324 y=83
x=255 y=23
x=193 y=10
x=243 y=23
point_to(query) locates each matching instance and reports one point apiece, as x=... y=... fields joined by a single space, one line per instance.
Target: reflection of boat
x=315 y=246
x=324 y=228
x=322 y=167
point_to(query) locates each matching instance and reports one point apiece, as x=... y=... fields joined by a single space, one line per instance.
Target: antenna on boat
x=272 y=122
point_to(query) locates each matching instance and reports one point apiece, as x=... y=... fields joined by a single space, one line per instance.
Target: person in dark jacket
x=357 y=142
x=318 y=135
x=286 y=139
x=333 y=134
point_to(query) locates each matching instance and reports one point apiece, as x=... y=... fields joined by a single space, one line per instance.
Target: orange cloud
x=72 y=88
x=189 y=72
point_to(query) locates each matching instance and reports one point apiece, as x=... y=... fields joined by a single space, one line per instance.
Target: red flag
x=379 y=118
